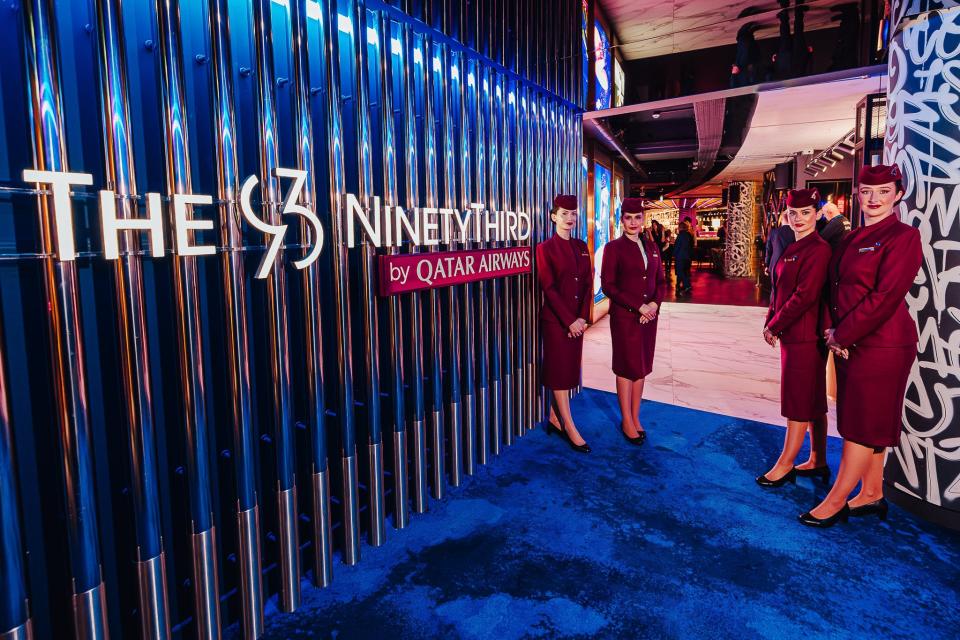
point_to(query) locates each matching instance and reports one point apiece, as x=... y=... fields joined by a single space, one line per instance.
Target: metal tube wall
x=312 y=279
x=237 y=327
x=479 y=98
x=368 y=277
x=497 y=413
x=192 y=375
x=395 y=335
x=278 y=333
x=135 y=369
x=66 y=333
x=341 y=282
x=506 y=318
x=412 y=187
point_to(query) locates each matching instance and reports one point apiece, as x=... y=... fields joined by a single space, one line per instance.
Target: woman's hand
x=652 y=311
x=834 y=346
x=576 y=329
x=769 y=337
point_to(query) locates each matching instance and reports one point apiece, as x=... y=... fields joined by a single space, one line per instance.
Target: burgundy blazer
x=801 y=271
x=870 y=275
x=566 y=277
x=624 y=278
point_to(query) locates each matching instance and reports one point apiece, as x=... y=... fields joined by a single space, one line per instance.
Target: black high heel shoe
x=636 y=440
x=820 y=473
x=822 y=523
x=579 y=448
x=878 y=507
x=789 y=476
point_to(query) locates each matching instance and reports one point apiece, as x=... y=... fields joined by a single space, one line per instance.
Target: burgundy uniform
x=629 y=283
x=566 y=277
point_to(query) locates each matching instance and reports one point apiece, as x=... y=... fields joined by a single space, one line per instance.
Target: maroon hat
x=631 y=205
x=800 y=198
x=565 y=202
x=879 y=174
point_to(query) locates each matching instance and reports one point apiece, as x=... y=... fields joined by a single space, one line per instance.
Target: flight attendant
x=874 y=341
x=566 y=277
x=632 y=278
x=793 y=321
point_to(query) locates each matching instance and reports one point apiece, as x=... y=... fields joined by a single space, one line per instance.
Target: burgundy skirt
x=633 y=346
x=562 y=356
x=871 y=386
x=803 y=381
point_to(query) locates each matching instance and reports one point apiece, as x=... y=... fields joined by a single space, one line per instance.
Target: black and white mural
x=921 y=137
x=741 y=232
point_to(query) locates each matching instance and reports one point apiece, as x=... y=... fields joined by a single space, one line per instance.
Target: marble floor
x=709 y=357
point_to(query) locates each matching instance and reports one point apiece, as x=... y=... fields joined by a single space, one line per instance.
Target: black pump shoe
x=878 y=507
x=789 y=476
x=636 y=440
x=820 y=473
x=822 y=523
x=580 y=448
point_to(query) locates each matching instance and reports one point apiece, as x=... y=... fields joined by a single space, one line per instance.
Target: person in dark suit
x=832 y=225
x=632 y=278
x=565 y=274
x=874 y=338
x=792 y=320
x=778 y=240
x=683 y=257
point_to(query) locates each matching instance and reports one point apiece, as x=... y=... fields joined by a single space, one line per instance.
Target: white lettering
x=402 y=221
x=425 y=276
x=111 y=226
x=290 y=207
x=275 y=231
x=60 y=182
x=431 y=226
x=185 y=225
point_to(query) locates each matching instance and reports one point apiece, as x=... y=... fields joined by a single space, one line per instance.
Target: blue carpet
x=669 y=540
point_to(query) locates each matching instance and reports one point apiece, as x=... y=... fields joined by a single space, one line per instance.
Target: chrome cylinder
x=378 y=533
x=483 y=422
x=206 y=598
x=237 y=329
x=479 y=97
x=351 y=514
x=312 y=282
x=251 y=580
x=289 y=549
x=464 y=94
x=323 y=544
x=22 y=631
x=90 y=614
x=419 y=434
x=401 y=512
x=154 y=609
x=438 y=458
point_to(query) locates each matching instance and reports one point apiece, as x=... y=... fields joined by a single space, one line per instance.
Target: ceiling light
x=656 y=115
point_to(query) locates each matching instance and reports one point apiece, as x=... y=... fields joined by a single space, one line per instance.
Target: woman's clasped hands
x=576 y=329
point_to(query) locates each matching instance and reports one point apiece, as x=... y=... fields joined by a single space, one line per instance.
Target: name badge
x=791 y=259
x=869 y=249
x=585 y=254
x=655 y=255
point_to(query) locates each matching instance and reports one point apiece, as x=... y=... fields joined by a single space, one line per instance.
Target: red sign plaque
x=400 y=273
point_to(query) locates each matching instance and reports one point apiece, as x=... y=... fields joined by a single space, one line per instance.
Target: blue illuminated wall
x=601 y=223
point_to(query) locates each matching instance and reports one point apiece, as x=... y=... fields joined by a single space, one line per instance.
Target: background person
x=683 y=257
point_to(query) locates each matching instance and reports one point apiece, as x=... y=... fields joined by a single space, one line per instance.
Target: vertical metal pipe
x=454 y=408
x=506 y=299
x=237 y=327
x=190 y=345
x=66 y=344
x=341 y=280
x=438 y=458
x=368 y=279
x=533 y=210
x=278 y=333
x=520 y=281
x=14 y=603
x=132 y=324
x=312 y=280
x=395 y=335
x=417 y=427
x=497 y=414
x=467 y=336
x=477 y=83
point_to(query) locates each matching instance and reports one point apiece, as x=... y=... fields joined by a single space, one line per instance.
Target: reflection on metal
x=494 y=330
x=206 y=590
x=401 y=512
x=15 y=615
x=154 y=610
x=189 y=328
x=289 y=550
x=375 y=460
x=506 y=318
x=251 y=581
x=479 y=98
x=351 y=515
x=237 y=324
x=312 y=302
x=323 y=566
x=419 y=431
x=278 y=335
x=90 y=614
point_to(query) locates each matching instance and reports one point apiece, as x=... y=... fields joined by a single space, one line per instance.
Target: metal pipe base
x=455 y=411
x=419 y=430
x=508 y=417
x=401 y=513
x=154 y=610
x=289 y=549
x=323 y=547
x=251 y=580
x=351 y=512
x=436 y=443
x=496 y=407
x=206 y=587
x=483 y=425
x=22 y=632
x=378 y=531
x=90 y=614
x=469 y=435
